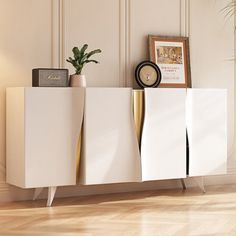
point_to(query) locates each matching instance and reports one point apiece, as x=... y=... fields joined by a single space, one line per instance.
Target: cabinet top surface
x=111 y=88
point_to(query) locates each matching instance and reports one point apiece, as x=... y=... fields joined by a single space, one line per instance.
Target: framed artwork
x=171 y=54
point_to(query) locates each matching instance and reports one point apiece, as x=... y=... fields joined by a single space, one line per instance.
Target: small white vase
x=77 y=81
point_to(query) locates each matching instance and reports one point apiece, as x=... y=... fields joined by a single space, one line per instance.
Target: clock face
x=148 y=74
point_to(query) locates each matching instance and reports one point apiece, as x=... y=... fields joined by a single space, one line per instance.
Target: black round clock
x=148 y=74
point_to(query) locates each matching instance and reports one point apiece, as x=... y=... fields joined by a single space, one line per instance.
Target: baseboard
x=11 y=193
x=4 y=187
x=230 y=178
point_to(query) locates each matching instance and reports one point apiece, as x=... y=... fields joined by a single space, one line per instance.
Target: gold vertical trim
x=138 y=111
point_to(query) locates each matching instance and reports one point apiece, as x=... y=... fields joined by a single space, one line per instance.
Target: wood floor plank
x=149 y=213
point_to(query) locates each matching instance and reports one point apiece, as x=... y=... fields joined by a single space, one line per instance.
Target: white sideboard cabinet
x=163 y=146
x=207 y=131
x=44 y=129
x=43 y=126
x=110 y=152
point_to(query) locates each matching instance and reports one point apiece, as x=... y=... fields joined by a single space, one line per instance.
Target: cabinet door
x=163 y=148
x=110 y=147
x=53 y=118
x=207 y=131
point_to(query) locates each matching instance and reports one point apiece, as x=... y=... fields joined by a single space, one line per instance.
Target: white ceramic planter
x=77 y=81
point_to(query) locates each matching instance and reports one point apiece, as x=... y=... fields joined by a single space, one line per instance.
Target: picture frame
x=171 y=54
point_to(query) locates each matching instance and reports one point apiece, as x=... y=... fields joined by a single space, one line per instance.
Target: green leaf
x=81 y=58
x=94 y=52
x=79 y=69
x=76 y=52
x=83 y=49
x=88 y=61
x=85 y=57
x=70 y=60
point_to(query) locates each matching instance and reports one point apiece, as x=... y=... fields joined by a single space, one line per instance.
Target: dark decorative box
x=45 y=77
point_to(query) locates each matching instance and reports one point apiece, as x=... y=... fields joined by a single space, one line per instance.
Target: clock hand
x=148 y=76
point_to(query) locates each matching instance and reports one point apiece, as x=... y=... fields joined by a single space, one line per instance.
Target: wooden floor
x=164 y=213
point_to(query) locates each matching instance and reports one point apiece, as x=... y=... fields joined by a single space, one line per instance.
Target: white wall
x=25 y=42
x=42 y=34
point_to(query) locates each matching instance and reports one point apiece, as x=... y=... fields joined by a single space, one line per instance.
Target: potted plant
x=79 y=60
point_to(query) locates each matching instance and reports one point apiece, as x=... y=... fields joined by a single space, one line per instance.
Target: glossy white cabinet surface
x=163 y=148
x=43 y=127
x=207 y=131
x=110 y=147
